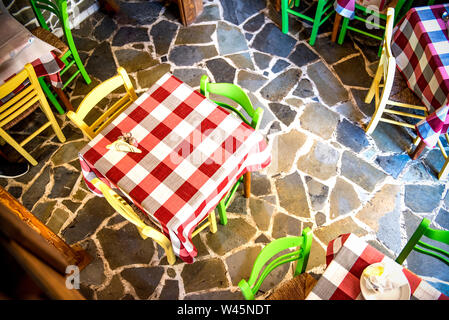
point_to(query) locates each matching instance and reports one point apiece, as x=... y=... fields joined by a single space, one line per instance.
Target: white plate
x=401 y=293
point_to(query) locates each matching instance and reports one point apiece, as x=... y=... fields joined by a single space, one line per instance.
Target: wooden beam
x=20 y=225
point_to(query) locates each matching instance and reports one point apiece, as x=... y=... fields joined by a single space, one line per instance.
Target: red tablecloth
x=421 y=47
x=193 y=151
x=346 y=258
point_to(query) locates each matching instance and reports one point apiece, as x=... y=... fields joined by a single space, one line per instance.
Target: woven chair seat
x=400 y=92
x=22 y=116
x=51 y=39
x=296 y=288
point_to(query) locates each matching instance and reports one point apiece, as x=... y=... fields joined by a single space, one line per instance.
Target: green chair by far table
x=375 y=19
x=324 y=10
x=236 y=94
x=421 y=245
x=69 y=54
x=273 y=255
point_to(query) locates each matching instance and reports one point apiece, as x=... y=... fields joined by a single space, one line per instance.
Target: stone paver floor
x=326 y=172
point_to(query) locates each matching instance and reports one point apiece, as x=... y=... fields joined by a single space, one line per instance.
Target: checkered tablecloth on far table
x=421 y=47
x=346 y=258
x=346 y=8
x=193 y=151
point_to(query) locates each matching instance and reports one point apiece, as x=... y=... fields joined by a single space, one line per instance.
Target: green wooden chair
x=265 y=263
x=70 y=55
x=324 y=10
x=236 y=94
x=416 y=243
x=364 y=14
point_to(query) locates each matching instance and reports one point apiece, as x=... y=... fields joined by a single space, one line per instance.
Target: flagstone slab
x=417 y=172
x=215 y=295
x=260 y=184
x=285 y=147
x=125 y=239
x=292 y=195
x=191 y=76
x=113 y=291
x=240 y=263
x=262 y=60
x=194 y=279
x=261 y=212
x=236 y=11
x=442 y=218
x=332 y=53
x=101 y=63
x=280 y=86
x=242 y=60
x=319 y=120
x=230 y=39
x=391 y=138
x=286 y=225
x=94 y=272
x=134 y=60
x=302 y=55
x=147 y=78
x=104 y=30
x=43 y=210
x=37 y=189
x=283 y=112
x=57 y=220
x=210 y=13
x=304 y=89
x=394 y=164
x=329 y=87
x=423 y=198
x=350 y=111
x=221 y=70
x=250 y=81
x=254 y=23
x=65 y=180
x=144 y=280
x=352 y=72
x=236 y=233
x=329 y=232
x=352 y=136
x=343 y=199
x=142 y=13
x=170 y=290
x=195 y=34
x=320 y=162
x=271 y=40
x=318 y=193
x=127 y=35
x=280 y=65
x=162 y=34
x=187 y=55
x=87 y=220
x=360 y=172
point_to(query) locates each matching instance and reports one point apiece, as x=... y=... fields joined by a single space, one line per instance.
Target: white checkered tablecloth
x=193 y=151
x=346 y=258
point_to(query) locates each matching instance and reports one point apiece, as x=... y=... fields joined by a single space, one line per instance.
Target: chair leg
x=17 y=146
x=376 y=117
x=47 y=111
x=284 y=14
x=317 y=21
x=344 y=26
x=222 y=212
x=213 y=222
x=375 y=84
x=50 y=95
x=444 y=170
x=247 y=184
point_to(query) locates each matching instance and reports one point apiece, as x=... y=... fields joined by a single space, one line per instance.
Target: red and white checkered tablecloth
x=48 y=65
x=421 y=47
x=346 y=8
x=193 y=151
x=346 y=258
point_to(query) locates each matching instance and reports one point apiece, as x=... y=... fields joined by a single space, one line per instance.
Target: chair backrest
x=96 y=95
x=25 y=91
x=58 y=8
x=263 y=266
x=417 y=243
x=235 y=93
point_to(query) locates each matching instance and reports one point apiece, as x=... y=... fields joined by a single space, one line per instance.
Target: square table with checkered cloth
x=346 y=258
x=193 y=152
x=421 y=47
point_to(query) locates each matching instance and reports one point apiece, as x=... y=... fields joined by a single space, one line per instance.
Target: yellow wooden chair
x=145 y=230
x=22 y=104
x=396 y=93
x=95 y=96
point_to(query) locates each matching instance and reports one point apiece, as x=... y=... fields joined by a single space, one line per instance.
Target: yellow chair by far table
x=21 y=104
x=145 y=230
x=95 y=96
